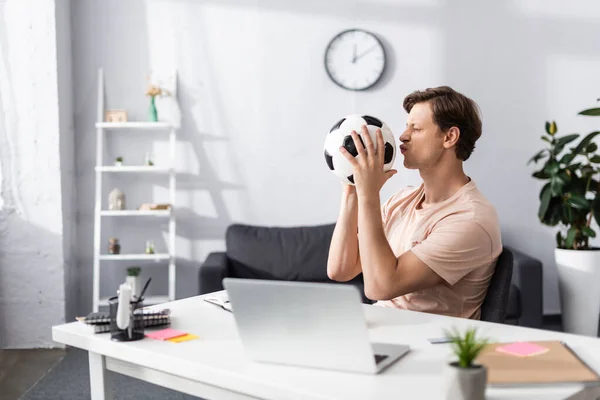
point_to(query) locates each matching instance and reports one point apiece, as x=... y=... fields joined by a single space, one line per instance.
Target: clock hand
x=354 y=56
x=365 y=52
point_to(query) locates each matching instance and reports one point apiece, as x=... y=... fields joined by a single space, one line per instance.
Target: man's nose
x=405 y=136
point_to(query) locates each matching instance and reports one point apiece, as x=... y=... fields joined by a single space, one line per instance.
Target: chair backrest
x=495 y=303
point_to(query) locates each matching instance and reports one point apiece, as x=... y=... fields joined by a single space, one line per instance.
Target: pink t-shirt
x=459 y=239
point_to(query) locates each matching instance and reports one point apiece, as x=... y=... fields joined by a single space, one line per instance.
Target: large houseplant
x=570 y=199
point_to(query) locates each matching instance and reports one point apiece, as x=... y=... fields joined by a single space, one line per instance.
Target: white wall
x=257 y=104
x=32 y=295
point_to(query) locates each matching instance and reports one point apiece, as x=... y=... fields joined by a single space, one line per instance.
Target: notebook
x=558 y=364
x=99 y=322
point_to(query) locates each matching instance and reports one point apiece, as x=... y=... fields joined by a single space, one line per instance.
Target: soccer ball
x=339 y=135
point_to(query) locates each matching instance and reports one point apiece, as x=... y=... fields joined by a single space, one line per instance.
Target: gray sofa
x=300 y=254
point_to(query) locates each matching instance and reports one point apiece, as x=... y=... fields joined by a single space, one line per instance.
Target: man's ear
x=451 y=137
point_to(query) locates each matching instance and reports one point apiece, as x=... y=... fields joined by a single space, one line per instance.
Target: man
x=437 y=247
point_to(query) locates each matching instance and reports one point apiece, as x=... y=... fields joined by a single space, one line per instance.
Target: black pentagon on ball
x=351 y=178
x=373 y=121
x=337 y=125
x=348 y=144
x=389 y=153
x=329 y=160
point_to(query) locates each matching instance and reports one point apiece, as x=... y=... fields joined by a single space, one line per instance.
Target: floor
x=21 y=369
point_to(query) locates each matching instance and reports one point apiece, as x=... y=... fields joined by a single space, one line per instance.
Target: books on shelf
x=99 y=321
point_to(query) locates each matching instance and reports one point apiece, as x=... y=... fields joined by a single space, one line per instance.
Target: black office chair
x=495 y=303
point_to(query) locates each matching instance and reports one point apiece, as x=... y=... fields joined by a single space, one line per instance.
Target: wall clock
x=355 y=59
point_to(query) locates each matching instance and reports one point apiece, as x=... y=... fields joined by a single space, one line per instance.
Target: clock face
x=355 y=59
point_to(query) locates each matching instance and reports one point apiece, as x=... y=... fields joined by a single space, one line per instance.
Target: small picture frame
x=115 y=116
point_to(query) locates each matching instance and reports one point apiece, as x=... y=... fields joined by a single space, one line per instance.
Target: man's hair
x=451 y=108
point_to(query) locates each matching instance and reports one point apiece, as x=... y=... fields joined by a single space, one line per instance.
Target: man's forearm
x=377 y=258
x=343 y=251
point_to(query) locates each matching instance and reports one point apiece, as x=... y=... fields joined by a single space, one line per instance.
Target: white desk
x=215 y=366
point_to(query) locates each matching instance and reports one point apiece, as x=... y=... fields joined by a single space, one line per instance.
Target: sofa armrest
x=528 y=278
x=212 y=272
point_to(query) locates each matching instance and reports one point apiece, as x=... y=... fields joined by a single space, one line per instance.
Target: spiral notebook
x=99 y=321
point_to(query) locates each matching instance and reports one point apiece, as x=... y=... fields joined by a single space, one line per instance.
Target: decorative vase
x=578 y=277
x=464 y=383
x=116 y=200
x=113 y=246
x=152 y=113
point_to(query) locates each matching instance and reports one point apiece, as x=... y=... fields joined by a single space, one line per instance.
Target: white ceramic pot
x=579 y=285
x=464 y=383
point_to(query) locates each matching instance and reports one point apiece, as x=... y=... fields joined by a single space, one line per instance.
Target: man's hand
x=369 y=176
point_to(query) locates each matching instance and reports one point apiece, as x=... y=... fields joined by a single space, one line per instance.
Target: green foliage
x=133 y=271
x=571 y=195
x=466 y=347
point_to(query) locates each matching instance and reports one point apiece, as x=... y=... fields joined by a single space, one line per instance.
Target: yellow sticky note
x=183 y=338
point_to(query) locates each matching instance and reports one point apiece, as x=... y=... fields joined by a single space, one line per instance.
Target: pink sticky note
x=165 y=334
x=522 y=349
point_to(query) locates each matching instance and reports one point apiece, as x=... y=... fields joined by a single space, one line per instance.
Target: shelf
x=148 y=301
x=134 y=125
x=133 y=168
x=135 y=213
x=134 y=257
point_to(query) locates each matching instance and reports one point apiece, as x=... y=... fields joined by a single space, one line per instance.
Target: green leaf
x=557 y=184
x=587 y=231
x=570 y=238
x=539 y=155
x=564 y=140
x=567 y=158
x=546 y=195
x=548 y=127
x=592 y=147
x=559 y=240
x=591 y=111
x=596 y=209
x=578 y=201
x=586 y=140
x=540 y=175
x=545 y=139
x=595 y=159
x=551 y=167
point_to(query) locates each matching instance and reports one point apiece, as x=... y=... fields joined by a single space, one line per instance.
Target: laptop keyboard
x=379 y=358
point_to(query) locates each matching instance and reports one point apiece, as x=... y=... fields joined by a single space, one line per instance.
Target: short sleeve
x=454 y=248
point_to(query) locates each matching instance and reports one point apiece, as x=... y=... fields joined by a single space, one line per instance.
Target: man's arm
x=386 y=276
x=343 y=263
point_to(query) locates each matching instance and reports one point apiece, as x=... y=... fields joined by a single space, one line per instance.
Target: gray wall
x=257 y=104
x=67 y=153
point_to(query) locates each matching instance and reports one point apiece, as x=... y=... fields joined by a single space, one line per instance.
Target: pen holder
x=130 y=325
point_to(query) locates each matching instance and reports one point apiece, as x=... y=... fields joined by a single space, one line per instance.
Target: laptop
x=318 y=325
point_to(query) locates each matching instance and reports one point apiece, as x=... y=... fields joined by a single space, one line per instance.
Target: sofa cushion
x=294 y=253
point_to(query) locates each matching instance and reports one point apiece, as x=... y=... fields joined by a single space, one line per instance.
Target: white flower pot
x=579 y=285
x=464 y=383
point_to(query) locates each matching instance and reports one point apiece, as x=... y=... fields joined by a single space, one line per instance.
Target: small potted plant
x=119 y=161
x=133 y=279
x=463 y=378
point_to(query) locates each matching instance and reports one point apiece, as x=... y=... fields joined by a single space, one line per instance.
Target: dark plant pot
x=465 y=383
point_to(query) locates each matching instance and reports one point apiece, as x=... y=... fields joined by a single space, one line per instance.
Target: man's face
x=422 y=140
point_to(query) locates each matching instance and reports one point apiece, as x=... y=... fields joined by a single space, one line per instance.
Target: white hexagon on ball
x=339 y=135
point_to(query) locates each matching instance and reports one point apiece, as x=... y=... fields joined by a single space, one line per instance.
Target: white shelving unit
x=100 y=214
